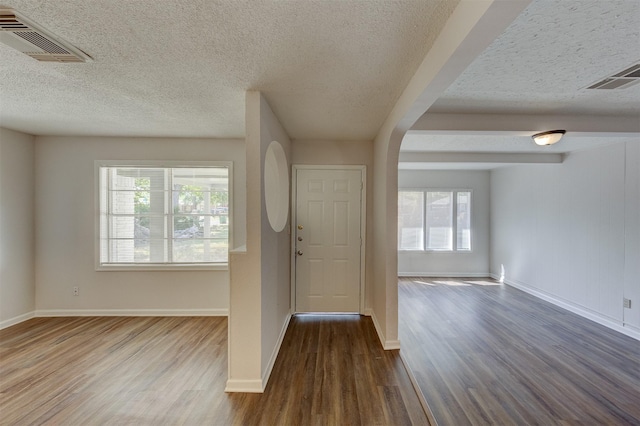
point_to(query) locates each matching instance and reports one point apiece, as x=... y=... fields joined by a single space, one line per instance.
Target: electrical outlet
x=626 y=303
x=76 y=291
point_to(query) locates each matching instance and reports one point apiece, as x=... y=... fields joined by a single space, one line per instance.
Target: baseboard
x=274 y=354
x=367 y=312
x=419 y=393
x=444 y=274
x=244 y=386
x=633 y=329
x=495 y=276
x=578 y=310
x=17 y=320
x=259 y=386
x=387 y=345
x=391 y=345
x=132 y=313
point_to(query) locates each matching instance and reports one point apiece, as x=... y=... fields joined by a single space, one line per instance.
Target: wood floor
x=483 y=353
x=172 y=371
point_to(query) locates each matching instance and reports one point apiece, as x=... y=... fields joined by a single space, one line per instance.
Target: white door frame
x=363 y=224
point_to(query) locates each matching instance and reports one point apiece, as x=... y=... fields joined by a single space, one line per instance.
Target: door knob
x=299 y=238
x=299 y=252
x=300 y=227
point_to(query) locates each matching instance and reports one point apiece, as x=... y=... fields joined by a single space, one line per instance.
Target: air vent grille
x=42 y=42
x=621 y=80
x=21 y=34
x=9 y=22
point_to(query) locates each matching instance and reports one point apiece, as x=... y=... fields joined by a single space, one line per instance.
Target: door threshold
x=326 y=314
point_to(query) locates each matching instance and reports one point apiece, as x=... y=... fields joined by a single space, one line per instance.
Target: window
x=163 y=216
x=434 y=220
x=410 y=220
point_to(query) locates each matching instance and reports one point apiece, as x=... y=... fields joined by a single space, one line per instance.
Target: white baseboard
x=391 y=345
x=576 y=309
x=132 y=313
x=258 y=386
x=367 y=312
x=419 y=393
x=387 y=345
x=444 y=274
x=494 y=276
x=17 y=320
x=274 y=353
x=244 y=386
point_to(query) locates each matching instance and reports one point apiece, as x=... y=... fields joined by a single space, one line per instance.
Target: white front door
x=328 y=239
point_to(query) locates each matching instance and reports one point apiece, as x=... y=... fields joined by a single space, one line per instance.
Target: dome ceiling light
x=548 y=138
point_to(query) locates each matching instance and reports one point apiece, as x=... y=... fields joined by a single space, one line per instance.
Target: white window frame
x=455 y=192
x=217 y=266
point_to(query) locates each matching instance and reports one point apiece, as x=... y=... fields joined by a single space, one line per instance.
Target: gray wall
x=570 y=233
x=17 y=227
x=65 y=223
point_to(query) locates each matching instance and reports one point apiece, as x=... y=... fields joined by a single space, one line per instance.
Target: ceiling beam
x=525 y=125
x=480 y=157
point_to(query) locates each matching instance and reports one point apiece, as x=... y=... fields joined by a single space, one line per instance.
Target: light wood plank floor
x=172 y=371
x=484 y=353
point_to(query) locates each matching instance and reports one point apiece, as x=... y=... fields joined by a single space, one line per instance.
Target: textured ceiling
x=542 y=63
x=331 y=69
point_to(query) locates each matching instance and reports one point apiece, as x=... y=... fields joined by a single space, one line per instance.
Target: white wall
x=559 y=231
x=260 y=273
x=632 y=236
x=344 y=153
x=17 y=227
x=451 y=264
x=65 y=223
x=276 y=252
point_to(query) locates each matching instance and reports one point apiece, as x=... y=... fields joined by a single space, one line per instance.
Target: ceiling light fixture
x=548 y=138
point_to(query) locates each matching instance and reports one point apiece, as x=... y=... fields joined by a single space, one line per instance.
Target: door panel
x=328 y=240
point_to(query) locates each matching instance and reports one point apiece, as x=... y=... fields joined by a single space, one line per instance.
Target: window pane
x=439 y=220
x=410 y=220
x=199 y=250
x=122 y=251
x=464 y=221
x=122 y=227
x=143 y=210
x=188 y=200
x=134 y=178
x=137 y=227
x=138 y=202
x=137 y=251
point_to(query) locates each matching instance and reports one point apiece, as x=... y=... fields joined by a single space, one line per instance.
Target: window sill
x=138 y=267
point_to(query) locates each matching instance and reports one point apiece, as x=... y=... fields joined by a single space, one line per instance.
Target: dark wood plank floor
x=484 y=353
x=170 y=371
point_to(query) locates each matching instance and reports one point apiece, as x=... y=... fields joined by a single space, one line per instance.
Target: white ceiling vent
x=620 y=80
x=21 y=34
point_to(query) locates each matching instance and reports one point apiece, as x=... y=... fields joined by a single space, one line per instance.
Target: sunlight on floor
x=484 y=282
x=461 y=282
x=453 y=283
x=424 y=283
